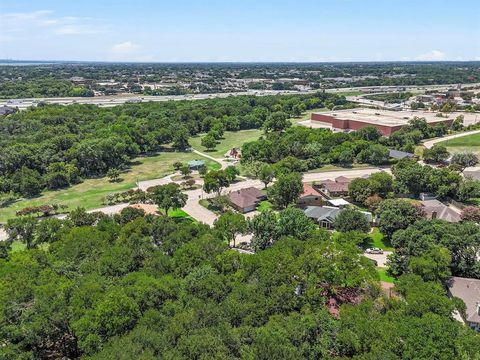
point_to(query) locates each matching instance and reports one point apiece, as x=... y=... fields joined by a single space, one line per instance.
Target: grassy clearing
x=384 y=276
x=89 y=193
x=469 y=143
x=377 y=240
x=233 y=139
x=464 y=141
x=230 y=140
x=180 y=214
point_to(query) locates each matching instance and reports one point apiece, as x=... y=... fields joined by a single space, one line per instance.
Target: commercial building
x=387 y=122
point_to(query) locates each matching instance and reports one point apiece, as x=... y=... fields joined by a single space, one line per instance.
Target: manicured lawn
x=179 y=214
x=89 y=194
x=469 y=143
x=230 y=140
x=384 y=276
x=377 y=240
x=464 y=141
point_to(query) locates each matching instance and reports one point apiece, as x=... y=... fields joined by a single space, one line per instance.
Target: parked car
x=374 y=251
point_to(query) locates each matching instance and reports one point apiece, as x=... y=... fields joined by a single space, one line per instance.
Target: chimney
x=434 y=215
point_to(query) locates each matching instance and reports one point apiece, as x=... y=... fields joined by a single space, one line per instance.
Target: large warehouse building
x=386 y=121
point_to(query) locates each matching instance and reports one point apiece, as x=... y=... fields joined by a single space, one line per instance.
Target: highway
x=109 y=101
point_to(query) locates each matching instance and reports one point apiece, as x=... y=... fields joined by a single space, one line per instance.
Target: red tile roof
x=308 y=190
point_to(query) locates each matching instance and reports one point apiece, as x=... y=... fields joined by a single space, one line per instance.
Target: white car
x=374 y=251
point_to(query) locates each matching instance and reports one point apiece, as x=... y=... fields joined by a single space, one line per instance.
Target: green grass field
x=377 y=240
x=469 y=143
x=233 y=139
x=464 y=141
x=89 y=193
x=230 y=140
x=384 y=276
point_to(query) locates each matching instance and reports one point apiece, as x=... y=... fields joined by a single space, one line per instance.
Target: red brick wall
x=357 y=125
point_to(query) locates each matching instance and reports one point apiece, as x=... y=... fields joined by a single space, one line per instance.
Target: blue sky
x=240 y=30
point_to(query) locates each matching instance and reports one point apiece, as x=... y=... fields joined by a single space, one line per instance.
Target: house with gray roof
x=434 y=209
x=469 y=291
x=397 y=154
x=323 y=215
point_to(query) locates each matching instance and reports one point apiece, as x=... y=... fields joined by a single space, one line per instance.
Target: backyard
x=89 y=194
x=377 y=240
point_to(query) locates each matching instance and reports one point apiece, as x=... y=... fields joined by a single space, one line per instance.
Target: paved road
x=429 y=143
x=223 y=162
x=144 y=185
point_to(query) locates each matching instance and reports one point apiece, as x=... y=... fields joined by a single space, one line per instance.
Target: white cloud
x=434 y=55
x=45 y=22
x=126 y=47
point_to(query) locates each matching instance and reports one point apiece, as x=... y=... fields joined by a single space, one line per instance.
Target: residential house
x=469 y=291
x=398 y=155
x=435 y=209
x=323 y=215
x=246 y=200
x=335 y=188
x=310 y=197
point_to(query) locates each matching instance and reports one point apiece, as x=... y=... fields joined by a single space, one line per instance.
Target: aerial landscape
x=240 y=180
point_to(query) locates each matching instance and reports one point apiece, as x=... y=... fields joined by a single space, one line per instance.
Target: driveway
x=429 y=143
x=381 y=259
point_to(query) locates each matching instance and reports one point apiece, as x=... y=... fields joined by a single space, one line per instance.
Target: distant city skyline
x=240 y=30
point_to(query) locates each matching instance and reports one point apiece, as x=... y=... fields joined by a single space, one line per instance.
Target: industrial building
x=386 y=121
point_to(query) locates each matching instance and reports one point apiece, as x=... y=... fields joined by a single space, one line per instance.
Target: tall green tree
x=286 y=189
x=167 y=197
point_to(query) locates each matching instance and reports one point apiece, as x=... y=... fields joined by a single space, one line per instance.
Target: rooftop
x=435 y=209
x=397 y=154
x=308 y=190
x=245 y=197
x=322 y=212
x=469 y=291
x=338 y=202
x=394 y=118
